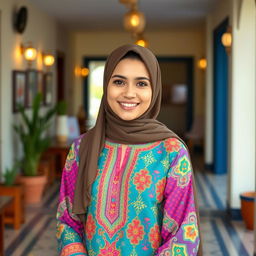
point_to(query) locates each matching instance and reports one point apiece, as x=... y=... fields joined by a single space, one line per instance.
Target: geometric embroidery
x=66 y=205
x=190 y=228
x=109 y=249
x=169 y=224
x=72 y=249
x=113 y=193
x=149 y=159
x=179 y=250
x=70 y=158
x=190 y=232
x=182 y=172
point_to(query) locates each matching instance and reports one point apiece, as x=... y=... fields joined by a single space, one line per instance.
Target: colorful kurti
x=142 y=206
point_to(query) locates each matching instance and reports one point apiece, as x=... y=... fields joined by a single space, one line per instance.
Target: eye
x=118 y=82
x=142 y=84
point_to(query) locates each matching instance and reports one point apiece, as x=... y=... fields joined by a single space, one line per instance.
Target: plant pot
x=33 y=188
x=62 y=128
x=247 y=208
x=14 y=214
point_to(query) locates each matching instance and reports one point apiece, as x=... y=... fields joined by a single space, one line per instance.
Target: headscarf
x=143 y=129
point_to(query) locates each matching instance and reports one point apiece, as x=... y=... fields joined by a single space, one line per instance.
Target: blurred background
x=207 y=52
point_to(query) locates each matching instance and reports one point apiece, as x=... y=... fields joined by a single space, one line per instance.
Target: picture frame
x=31 y=86
x=19 y=89
x=179 y=94
x=48 y=88
x=40 y=84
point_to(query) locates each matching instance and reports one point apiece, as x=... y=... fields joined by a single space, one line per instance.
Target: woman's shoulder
x=174 y=144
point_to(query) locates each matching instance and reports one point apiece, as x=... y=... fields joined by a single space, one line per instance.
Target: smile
x=128 y=106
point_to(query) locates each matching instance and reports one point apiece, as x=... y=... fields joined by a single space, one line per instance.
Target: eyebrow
x=137 y=78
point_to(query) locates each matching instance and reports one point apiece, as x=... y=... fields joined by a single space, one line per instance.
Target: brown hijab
x=141 y=130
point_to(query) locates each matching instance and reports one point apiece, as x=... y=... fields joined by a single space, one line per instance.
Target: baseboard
x=234 y=214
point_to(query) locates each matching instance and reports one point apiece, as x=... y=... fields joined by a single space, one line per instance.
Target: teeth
x=129 y=105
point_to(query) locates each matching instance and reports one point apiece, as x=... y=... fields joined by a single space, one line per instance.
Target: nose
x=130 y=91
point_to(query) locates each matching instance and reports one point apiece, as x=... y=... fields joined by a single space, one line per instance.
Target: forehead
x=132 y=67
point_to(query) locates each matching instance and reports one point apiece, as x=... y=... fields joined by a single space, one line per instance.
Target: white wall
x=41 y=31
x=175 y=42
x=243 y=78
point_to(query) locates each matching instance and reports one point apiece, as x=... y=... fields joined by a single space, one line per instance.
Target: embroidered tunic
x=142 y=206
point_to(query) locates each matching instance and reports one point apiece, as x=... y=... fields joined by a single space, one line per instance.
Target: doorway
x=220 y=100
x=177 y=97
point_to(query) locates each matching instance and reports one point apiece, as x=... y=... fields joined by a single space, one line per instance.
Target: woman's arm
x=180 y=232
x=70 y=230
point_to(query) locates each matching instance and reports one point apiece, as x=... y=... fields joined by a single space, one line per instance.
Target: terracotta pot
x=247 y=208
x=33 y=188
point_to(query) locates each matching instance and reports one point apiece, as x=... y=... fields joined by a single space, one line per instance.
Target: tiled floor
x=221 y=236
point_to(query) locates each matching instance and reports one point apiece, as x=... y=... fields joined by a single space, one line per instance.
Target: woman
x=127 y=185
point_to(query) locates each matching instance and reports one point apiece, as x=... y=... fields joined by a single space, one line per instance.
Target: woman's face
x=129 y=89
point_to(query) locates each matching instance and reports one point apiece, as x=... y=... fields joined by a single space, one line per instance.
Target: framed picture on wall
x=48 y=88
x=32 y=86
x=179 y=94
x=40 y=83
x=19 y=89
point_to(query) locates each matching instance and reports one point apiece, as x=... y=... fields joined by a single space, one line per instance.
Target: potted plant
x=62 y=122
x=14 y=214
x=247 y=208
x=34 y=142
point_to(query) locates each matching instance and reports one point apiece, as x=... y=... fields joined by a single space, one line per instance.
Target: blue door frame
x=220 y=101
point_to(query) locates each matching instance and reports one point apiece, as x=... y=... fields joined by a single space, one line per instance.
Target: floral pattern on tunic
x=109 y=250
x=142 y=206
x=135 y=231
x=90 y=227
x=154 y=236
x=70 y=158
x=182 y=172
x=142 y=180
x=170 y=224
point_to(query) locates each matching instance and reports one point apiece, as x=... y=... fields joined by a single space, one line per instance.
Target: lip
x=128 y=105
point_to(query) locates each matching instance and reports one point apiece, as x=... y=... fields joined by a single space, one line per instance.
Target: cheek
x=148 y=96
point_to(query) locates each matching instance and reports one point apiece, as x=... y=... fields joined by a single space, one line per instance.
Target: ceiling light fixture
x=134 y=21
x=141 y=41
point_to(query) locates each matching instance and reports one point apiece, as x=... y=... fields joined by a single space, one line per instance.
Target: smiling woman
x=129 y=90
x=127 y=185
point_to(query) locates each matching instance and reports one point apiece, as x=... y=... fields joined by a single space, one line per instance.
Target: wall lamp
x=226 y=39
x=81 y=71
x=48 y=60
x=29 y=52
x=202 y=63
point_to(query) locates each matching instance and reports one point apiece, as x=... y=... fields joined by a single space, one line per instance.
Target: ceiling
x=108 y=14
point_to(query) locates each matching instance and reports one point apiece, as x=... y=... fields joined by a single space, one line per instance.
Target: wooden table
x=60 y=151
x=5 y=201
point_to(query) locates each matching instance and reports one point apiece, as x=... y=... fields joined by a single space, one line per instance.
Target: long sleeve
x=70 y=230
x=180 y=232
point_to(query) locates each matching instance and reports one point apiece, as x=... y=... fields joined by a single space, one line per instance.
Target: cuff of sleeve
x=73 y=249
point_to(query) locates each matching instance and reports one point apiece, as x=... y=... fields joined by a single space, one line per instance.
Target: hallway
x=221 y=236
